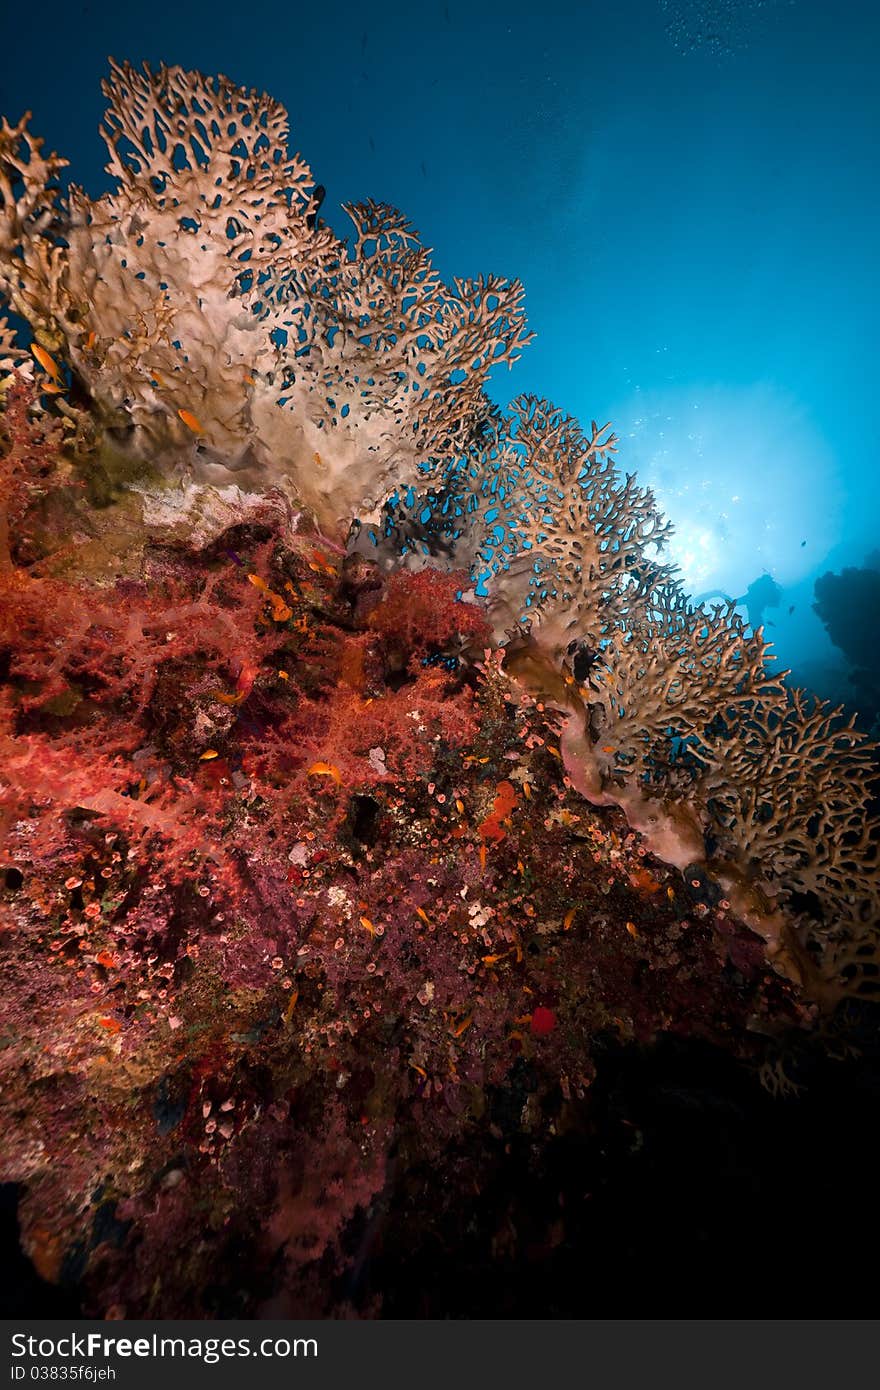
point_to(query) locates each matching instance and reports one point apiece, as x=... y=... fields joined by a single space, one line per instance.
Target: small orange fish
x=608 y=748
x=670 y=893
x=462 y=1027
x=249 y=380
x=569 y=918
x=421 y=1070
x=527 y=790
x=246 y=677
x=104 y=958
x=208 y=754
x=325 y=770
x=280 y=610
x=288 y=1012
x=493 y=960
x=191 y=421
x=90 y=340
x=631 y=928
x=318 y=460
x=420 y=912
x=53 y=389
x=226 y=699
x=368 y=926
x=46 y=362
x=459 y=806
x=283 y=676
x=111 y=1024
x=483 y=857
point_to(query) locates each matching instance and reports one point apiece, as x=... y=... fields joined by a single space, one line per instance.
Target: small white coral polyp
x=217 y=327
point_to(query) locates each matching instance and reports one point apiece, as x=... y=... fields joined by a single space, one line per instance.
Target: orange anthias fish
x=243 y=686
x=191 y=421
x=494 y=959
x=46 y=362
x=280 y=610
x=246 y=677
x=288 y=1012
x=325 y=770
x=320 y=563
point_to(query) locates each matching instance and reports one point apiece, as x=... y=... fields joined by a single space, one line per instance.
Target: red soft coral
x=422 y=613
x=30 y=464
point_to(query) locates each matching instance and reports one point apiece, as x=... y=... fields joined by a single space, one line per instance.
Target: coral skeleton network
x=362 y=758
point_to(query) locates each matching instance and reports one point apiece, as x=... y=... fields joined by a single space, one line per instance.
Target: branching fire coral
x=208 y=321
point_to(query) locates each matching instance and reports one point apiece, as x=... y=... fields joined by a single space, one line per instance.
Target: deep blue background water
x=688 y=192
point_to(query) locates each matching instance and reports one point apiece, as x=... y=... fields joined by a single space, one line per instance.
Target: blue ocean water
x=687 y=191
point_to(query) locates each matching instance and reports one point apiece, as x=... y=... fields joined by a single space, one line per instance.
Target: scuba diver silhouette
x=762 y=593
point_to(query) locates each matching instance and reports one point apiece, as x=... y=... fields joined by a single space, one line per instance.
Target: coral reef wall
x=210 y=345
x=361 y=760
